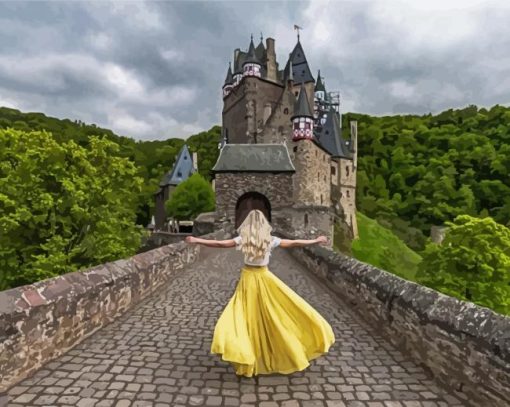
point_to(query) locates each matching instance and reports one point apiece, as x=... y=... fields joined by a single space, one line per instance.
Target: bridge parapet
x=464 y=345
x=39 y=322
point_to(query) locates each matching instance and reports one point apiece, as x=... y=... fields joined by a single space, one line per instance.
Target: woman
x=266 y=327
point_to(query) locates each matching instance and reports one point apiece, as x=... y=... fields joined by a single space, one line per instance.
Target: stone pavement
x=157 y=354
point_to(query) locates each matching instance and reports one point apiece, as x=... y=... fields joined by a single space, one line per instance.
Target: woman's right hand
x=323 y=240
x=190 y=239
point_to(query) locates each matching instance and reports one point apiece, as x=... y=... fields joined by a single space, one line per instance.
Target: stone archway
x=249 y=201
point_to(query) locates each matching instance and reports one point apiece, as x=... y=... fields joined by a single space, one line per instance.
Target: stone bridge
x=137 y=332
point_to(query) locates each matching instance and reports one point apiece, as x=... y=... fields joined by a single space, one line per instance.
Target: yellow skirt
x=267 y=327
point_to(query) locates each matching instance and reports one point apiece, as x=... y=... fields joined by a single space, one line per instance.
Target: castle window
x=295 y=149
x=306 y=220
x=333 y=171
x=348 y=195
x=286 y=111
x=347 y=170
x=321 y=199
x=324 y=178
x=296 y=93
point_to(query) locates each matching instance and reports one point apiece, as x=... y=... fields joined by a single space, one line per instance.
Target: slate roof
x=330 y=136
x=251 y=57
x=182 y=169
x=261 y=53
x=319 y=85
x=302 y=106
x=300 y=69
x=229 y=80
x=254 y=158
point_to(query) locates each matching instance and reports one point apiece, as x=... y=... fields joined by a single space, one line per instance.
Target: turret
x=302 y=119
x=251 y=65
x=229 y=82
x=320 y=90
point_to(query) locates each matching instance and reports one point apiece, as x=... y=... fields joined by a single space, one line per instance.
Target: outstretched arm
x=210 y=242
x=303 y=242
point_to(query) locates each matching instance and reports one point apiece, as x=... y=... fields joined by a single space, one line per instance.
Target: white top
x=275 y=241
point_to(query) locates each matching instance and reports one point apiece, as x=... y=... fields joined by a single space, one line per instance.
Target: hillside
x=418 y=171
x=380 y=247
x=413 y=171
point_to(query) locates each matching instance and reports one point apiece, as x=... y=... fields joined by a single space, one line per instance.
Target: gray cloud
x=154 y=70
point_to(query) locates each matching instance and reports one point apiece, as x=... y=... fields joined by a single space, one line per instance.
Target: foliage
x=472 y=263
x=380 y=247
x=152 y=158
x=63 y=206
x=426 y=170
x=191 y=198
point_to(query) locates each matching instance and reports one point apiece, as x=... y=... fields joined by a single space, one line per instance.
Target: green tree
x=191 y=198
x=63 y=207
x=472 y=263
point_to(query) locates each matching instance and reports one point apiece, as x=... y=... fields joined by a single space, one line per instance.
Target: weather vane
x=297 y=27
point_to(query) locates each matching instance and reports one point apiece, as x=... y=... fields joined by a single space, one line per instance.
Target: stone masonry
x=157 y=354
x=43 y=320
x=229 y=187
x=464 y=345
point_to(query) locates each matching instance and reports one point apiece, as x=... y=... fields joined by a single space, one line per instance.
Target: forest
x=414 y=171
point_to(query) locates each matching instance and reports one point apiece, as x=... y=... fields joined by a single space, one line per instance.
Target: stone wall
x=465 y=346
x=312 y=180
x=229 y=187
x=158 y=239
x=305 y=222
x=41 y=321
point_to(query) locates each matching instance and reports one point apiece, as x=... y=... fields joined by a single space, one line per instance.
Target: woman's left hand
x=322 y=240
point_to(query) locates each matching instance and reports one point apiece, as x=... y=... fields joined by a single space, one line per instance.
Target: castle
x=282 y=149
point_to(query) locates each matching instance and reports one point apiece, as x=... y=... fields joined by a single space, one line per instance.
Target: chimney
x=271 y=60
x=195 y=162
x=236 y=54
x=354 y=142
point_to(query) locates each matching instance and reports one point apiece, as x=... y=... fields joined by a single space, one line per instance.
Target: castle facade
x=282 y=150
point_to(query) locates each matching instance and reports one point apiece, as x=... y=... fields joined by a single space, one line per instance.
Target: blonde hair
x=255 y=232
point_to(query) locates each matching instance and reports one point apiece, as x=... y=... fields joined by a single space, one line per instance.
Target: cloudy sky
x=154 y=70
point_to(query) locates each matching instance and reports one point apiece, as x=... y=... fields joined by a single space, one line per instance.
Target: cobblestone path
x=157 y=354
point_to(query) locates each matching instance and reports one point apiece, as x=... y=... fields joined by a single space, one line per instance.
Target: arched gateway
x=249 y=201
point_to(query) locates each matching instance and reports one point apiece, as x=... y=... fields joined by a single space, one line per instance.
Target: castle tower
x=343 y=167
x=229 y=82
x=302 y=119
x=252 y=65
x=311 y=180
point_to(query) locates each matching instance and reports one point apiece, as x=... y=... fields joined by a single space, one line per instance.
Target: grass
x=381 y=248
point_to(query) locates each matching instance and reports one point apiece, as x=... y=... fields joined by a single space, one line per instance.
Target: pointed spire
x=319 y=85
x=261 y=37
x=302 y=106
x=229 y=80
x=252 y=56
